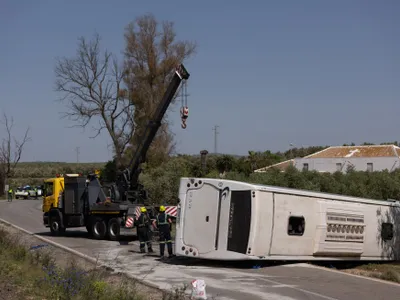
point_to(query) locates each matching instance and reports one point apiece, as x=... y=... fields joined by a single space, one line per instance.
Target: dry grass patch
x=384 y=271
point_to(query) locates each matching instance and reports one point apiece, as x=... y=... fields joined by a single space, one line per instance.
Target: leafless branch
x=91 y=84
x=11 y=148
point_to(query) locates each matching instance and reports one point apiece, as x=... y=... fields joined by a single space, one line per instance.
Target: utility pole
x=77 y=154
x=203 y=154
x=215 y=129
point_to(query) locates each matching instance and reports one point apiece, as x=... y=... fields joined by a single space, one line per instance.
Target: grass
x=34 y=274
x=384 y=271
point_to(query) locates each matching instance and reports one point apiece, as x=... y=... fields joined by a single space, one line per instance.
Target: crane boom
x=127 y=185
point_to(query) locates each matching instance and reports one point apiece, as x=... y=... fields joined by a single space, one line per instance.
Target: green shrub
x=163 y=182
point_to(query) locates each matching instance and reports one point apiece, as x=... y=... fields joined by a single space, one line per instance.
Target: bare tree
x=91 y=84
x=10 y=150
x=151 y=53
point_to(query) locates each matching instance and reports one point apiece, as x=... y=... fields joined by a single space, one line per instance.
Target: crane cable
x=184 y=106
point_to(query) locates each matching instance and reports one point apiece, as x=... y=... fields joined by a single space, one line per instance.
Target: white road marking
x=298 y=289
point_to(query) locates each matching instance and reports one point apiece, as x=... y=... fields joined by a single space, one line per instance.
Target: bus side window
x=296 y=226
x=387 y=231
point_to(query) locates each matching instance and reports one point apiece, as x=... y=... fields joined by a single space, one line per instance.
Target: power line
x=215 y=129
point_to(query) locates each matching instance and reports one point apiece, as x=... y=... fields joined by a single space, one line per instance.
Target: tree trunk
x=2 y=183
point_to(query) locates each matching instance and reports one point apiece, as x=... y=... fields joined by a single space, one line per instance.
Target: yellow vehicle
x=72 y=200
x=53 y=188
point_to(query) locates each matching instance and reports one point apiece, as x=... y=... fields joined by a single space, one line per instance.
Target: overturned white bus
x=230 y=220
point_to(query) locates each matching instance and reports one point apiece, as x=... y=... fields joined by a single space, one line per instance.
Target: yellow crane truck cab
x=53 y=188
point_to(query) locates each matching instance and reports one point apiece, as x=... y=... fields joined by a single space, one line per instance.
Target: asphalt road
x=239 y=281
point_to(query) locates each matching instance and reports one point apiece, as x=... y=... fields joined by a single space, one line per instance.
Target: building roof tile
x=345 y=152
x=357 y=151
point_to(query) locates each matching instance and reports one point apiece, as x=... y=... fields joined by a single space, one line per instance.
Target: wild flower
x=69 y=282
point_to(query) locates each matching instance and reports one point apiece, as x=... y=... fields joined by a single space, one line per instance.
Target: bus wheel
x=113 y=229
x=99 y=229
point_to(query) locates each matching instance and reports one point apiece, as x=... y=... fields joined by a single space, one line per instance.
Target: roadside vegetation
x=383 y=271
x=33 y=273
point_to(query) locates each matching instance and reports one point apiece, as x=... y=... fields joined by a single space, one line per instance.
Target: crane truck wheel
x=99 y=228
x=89 y=229
x=113 y=229
x=55 y=223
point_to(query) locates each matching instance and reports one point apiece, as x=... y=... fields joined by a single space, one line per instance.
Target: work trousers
x=143 y=236
x=165 y=238
x=10 y=197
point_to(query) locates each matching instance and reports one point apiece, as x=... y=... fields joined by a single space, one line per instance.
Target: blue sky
x=269 y=73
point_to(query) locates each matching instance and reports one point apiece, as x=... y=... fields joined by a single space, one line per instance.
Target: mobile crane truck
x=73 y=200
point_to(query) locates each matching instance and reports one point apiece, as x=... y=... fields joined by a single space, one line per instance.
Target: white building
x=340 y=158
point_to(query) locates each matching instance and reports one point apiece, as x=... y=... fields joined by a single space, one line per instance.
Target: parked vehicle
x=21 y=193
x=39 y=191
x=28 y=192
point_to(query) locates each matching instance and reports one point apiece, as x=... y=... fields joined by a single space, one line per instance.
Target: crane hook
x=183 y=124
x=184 y=108
x=184 y=115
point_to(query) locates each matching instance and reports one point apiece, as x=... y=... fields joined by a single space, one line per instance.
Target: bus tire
x=113 y=229
x=99 y=228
